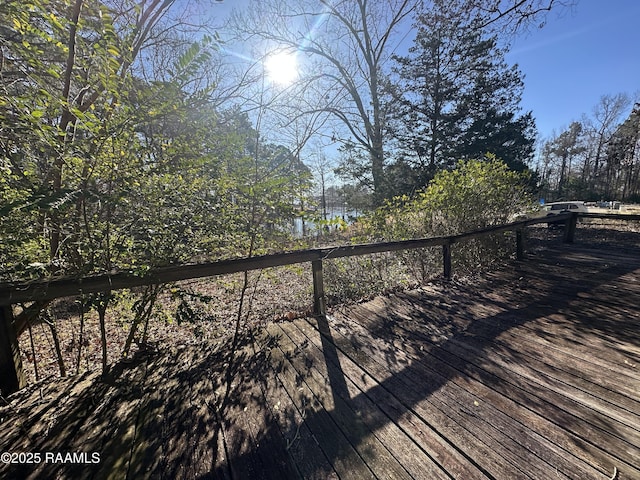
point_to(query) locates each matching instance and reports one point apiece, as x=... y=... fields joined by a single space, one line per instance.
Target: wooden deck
x=532 y=371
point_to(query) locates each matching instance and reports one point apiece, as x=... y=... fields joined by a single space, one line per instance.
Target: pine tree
x=455 y=97
x=562 y=152
x=623 y=159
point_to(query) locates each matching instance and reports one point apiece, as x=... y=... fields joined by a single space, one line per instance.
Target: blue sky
x=589 y=51
x=581 y=54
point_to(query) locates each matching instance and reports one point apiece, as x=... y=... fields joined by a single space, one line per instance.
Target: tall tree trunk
x=563 y=173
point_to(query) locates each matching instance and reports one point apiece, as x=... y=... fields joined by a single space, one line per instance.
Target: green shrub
x=475 y=195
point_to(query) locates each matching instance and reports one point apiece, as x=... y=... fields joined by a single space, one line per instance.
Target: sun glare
x=282 y=68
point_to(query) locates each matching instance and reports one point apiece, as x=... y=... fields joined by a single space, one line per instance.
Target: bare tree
x=623 y=158
x=351 y=41
x=322 y=167
x=562 y=151
x=512 y=16
x=601 y=126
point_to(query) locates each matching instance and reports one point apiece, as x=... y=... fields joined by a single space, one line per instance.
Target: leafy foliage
x=119 y=150
x=352 y=279
x=108 y=164
x=476 y=194
x=106 y=169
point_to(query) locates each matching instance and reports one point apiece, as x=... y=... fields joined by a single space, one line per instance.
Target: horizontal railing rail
x=49 y=289
x=611 y=216
x=43 y=290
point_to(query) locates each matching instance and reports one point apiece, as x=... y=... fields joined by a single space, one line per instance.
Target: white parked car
x=561 y=207
x=554 y=208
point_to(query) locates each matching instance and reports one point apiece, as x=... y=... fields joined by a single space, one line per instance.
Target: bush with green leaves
x=474 y=195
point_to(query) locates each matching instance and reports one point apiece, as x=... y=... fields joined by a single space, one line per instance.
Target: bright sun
x=282 y=68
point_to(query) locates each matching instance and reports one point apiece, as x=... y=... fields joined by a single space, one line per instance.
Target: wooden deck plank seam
x=331 y=425
x=344 y=399
x=452 y=379
x=441 y=439
x=463 y=359
x=585 y=431
x=358 y=396
x=457 y=426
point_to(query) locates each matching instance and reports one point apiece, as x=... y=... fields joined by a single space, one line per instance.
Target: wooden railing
x=12 y=379
x=48 y=289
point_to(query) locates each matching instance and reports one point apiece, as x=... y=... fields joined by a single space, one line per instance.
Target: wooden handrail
x=12 y=378
x=48 y=289
x=611 y=216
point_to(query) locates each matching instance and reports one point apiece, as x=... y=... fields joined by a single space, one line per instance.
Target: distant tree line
x=596 y=158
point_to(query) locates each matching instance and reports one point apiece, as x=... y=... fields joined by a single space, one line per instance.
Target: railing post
x=446 y=259
x=11 y=374
x=520 y=244
x=570 y=228
x=319 y=303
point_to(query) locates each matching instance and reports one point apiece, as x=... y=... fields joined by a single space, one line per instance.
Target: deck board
x=528 y=371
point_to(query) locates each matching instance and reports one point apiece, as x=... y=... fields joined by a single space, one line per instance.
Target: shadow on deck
x=531 y=372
